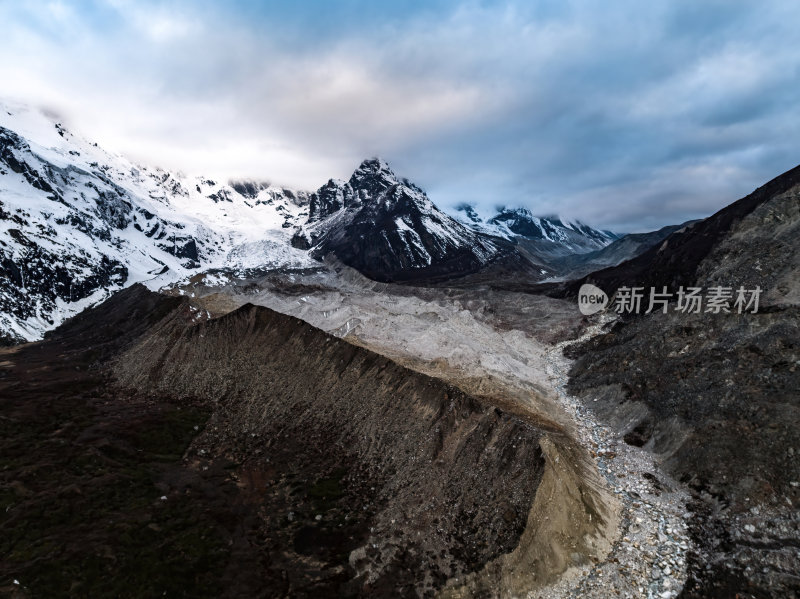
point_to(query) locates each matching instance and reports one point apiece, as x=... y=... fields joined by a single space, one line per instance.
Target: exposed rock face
x=762 y=248
x=37 y=275
x=388 y=229
x=716 y=395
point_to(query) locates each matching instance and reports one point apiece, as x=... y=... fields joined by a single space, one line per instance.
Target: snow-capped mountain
x=388 y=229
x=557 y=234
x=77 y=223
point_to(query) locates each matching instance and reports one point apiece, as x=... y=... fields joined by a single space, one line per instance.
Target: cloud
x=626 y=115
x=157 y=24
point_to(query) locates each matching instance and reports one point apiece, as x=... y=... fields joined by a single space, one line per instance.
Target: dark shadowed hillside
x=677 y=260
x=716 y=395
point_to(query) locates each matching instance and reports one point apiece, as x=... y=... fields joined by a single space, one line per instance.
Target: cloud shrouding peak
x=626 y=115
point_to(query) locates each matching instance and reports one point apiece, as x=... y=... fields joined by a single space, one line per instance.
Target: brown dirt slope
x=144 y=453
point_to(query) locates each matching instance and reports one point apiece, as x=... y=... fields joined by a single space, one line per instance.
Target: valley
x=232 y=389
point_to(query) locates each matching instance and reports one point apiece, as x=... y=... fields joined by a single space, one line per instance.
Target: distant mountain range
x=558 y=234
x=78 y=222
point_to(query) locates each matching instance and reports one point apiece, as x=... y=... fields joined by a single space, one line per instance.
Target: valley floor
x=648 y=558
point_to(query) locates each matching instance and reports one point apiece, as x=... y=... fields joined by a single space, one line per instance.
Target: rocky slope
x=714 y=396
x=769 y=257
x=199 y=462
x=422 y=472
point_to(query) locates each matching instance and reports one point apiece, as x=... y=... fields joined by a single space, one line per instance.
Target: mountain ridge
x=520 y=223
x=77 y=223
x=676 y=261
x=387 y=228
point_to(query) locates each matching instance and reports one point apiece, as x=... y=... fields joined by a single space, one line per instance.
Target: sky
x=625 y=114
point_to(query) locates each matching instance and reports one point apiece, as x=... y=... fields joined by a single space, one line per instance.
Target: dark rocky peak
x=373 y=176
x=372 y=182
x=330 y=198
x=519 y=221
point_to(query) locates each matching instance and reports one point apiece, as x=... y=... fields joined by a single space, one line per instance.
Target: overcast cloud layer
x=628 y=115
